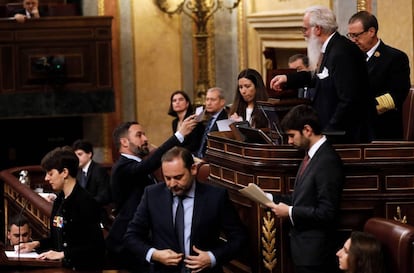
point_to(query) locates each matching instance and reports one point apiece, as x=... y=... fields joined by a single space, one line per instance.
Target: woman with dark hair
x=250 y=89
x=181 y=108
x=361 y=253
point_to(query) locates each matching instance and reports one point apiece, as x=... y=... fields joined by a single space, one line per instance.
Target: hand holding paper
x=253 y=192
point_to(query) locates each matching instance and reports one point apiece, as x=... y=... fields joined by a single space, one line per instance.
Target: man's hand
x=281 y=209
x=277 y=82
x=20 y=18
x=199 y=262
x=26 y=247
x=167 y=257
x=188 y=125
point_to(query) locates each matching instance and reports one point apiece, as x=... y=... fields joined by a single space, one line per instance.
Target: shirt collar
x=86 y=167
x=133 y=157
x=325 y=44
x=315 y=147
x=372 y=50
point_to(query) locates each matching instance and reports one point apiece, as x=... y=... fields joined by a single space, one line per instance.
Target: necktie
x=179 y=223
x=203 y=145
x=305 y=162
x=83 y=179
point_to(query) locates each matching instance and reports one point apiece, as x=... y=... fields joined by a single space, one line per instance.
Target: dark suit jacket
x=213 y=213
x=97 y=182
x=342 y=99
x=81 y=237
x=128 y=180
x=192 y=141
x=203 y=145
x=315 y=200
x=389 y=72
x=22 y=11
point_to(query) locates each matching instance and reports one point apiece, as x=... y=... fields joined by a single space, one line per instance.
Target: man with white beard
x=339 y=76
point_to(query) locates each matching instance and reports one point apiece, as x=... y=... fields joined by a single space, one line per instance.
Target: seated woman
x=181 y=108
x=361 y=253
x=250 y=89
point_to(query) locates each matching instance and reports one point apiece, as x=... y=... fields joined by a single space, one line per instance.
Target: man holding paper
x=313 y=207
x=215 y=102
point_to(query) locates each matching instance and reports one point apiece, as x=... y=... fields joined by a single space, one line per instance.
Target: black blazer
x=342 y=97
x=81 y=237
x=316 y=200
x=128 y=180
x=97 y=182
x=213 y=215
x=389 y=72
x=22 y=11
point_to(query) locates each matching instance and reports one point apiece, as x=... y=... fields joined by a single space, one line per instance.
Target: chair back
x=59 y=9
x=398 y=242
x=408 y=116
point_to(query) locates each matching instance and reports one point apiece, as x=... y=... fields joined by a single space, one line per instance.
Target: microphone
x=270 y=123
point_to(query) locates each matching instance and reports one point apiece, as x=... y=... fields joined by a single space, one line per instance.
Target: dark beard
x=142 y=151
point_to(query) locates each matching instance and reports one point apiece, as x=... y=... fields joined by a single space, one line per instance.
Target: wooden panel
x=83 y=47
x=379 y=179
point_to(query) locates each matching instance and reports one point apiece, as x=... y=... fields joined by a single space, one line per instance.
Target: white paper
x=199 y=113
x=15 y=254
x=224 y=124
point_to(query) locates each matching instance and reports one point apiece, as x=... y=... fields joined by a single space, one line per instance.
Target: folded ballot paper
x=253 y=192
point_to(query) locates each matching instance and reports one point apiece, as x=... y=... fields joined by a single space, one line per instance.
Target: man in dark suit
x=215 y=102
x=93 y=177
x=30 y=10
x=313 y=207
x=208 y=214
x=341 y=94
x=389 y=75
x=131 y=173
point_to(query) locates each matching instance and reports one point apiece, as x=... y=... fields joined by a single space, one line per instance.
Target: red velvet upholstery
x=203 y=171
x=398 y=241
x=408 y=116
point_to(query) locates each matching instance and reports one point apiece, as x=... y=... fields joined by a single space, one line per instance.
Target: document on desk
x=255 y=193
x=14 y=254
x=224 y=124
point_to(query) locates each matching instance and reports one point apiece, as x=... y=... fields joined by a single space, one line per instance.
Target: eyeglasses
x=305 y=29
x=355 y=35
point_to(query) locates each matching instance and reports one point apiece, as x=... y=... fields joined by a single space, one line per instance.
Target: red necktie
x=304 y=164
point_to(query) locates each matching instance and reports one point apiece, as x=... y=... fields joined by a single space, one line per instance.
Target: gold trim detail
x=101 y=7
x=241 y=31
x=269 y=241
x=361 y=5
x=399 y=218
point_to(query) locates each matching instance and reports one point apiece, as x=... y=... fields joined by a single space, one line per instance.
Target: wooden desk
x=379 y=182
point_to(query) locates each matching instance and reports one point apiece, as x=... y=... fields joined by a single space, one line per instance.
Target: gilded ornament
x=377 y=54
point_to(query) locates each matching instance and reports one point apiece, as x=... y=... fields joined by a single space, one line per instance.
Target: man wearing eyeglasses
x=389 y=75
x=339 y=76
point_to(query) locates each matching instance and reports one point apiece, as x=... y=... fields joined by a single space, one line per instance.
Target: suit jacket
x=23 y=12
x=342 y=98
x=97 y=182
x=203 y=144
x=191 y=141
x=128 y=180
x=315 y=200
x=213 y=213
x=389 y=72
x=80 y=237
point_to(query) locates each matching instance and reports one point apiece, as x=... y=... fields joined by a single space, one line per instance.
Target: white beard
x=314 y=51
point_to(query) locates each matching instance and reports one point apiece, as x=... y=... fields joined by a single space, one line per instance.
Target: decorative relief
x=269 y=241
x=399 y=218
